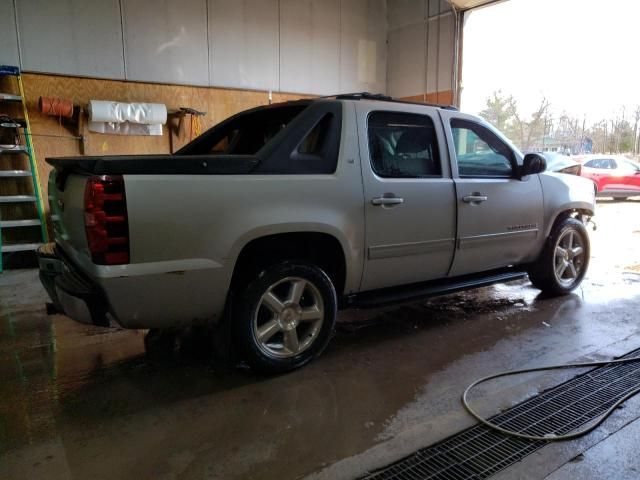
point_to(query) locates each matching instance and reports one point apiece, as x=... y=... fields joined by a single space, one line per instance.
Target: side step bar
x=418 y=291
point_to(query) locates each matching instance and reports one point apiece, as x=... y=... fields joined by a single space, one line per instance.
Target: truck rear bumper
x=72 y=293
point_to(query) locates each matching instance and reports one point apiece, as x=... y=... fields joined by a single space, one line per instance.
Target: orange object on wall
x=56 y=107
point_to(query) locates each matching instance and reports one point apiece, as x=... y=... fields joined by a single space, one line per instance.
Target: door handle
x=475 y=198
x=381 y=201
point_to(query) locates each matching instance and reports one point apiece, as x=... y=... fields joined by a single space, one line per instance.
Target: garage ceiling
x=467 y=4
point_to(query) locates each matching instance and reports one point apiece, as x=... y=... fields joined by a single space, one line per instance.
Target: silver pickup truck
x=280 y=215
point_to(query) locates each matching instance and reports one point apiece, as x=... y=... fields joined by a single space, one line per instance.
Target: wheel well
x=573 y=213
x=320 y=249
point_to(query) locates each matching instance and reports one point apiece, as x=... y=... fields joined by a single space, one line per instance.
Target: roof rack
x=364 y=96
x=383 y=98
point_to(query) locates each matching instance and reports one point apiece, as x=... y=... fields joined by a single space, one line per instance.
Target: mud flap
x=222 y=339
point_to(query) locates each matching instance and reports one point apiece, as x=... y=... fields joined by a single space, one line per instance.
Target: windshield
x=630 y=165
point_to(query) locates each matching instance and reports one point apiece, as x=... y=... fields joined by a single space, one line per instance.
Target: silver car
x=271 y=221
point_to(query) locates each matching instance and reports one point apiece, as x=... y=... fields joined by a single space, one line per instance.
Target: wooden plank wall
x=444 y=97
x=217 y=102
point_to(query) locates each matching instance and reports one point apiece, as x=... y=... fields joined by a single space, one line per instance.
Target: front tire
x=563 y=263
x=285 y=317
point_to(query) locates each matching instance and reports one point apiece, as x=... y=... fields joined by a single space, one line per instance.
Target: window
x=315 y=141
x=630 y=166
x=244 y=134
x=601 y=163
x=403 y=145
x=225 y=143
x=480 y=153
x=591 y=164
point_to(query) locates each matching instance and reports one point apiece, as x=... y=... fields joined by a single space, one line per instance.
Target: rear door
x=500 y=216
x=410 y=204
x=599 y=170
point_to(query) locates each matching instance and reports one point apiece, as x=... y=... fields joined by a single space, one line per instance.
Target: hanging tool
x=195 y=124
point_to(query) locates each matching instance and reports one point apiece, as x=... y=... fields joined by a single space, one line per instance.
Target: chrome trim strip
x=477 y=240
x=410 y=248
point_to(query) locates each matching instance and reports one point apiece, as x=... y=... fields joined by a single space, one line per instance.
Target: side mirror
x=533 y=163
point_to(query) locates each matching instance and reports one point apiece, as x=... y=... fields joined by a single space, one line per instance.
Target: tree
x=499 y=111
x=636 y=117
x=625 y=137
x=598 y=134
x=570 y=132
x=532 y=132
x=616 y=134
x=502 y=112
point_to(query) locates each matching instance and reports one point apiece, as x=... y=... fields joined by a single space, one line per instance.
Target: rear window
x=244 y=134
x=316 y=140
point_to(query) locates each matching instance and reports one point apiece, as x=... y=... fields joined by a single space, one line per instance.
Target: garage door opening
x=555 y=76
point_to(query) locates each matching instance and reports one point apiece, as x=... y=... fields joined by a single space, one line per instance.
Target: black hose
x=549 y=437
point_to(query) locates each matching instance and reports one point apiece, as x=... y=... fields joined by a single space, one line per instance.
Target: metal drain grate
x=479 y=452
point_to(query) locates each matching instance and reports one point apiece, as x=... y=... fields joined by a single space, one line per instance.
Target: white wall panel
x=310 y=46
x=76 y=37
x=406 y=61
x=433 y=37
x=306 y=46
x=406 y=12
x=243 y=43
x=363 y=46
x=433 y=8
x=8 y=34
x=166 y=41
x=445 y=53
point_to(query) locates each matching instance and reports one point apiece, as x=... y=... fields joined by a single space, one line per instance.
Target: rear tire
x=285 y=317
x=563 y=263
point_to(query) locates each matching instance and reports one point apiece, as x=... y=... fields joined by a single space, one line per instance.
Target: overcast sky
x=583 y=55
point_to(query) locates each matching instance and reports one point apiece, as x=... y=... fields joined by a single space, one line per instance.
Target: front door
x=409 y=195
x=500 y=216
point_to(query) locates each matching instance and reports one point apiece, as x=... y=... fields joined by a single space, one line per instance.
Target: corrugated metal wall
x=421 y=49
x=309 y=46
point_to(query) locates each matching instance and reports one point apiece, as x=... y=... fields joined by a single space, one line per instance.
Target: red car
x=614 y=176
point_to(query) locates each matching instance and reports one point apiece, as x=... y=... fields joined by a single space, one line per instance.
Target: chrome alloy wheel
x=569 y=258
x=288 y=318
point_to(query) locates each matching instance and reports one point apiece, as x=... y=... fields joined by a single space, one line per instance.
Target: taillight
x=105 y=220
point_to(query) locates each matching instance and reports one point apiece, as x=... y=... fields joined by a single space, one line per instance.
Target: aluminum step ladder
x=10 y=77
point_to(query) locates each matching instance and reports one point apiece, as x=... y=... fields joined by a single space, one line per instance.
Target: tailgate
x=66 y=203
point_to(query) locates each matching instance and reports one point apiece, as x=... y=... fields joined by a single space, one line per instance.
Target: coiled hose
x=549 y=437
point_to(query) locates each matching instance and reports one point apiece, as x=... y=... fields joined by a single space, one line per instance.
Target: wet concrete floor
x=80 y=402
